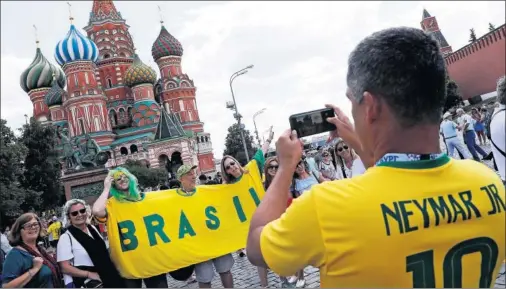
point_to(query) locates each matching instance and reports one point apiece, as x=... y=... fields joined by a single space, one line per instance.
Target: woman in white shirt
x=82 y=253
x=347 y=160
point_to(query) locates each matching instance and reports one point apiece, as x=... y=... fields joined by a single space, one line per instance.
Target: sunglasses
x=342 y=148
x=30 y=226
x=273 y=167
x=231 y=164
x=75 y=213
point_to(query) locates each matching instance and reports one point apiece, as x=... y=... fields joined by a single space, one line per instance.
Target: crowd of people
x=365 y=209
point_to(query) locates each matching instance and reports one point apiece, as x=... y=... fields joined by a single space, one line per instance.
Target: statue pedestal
x=84 y=184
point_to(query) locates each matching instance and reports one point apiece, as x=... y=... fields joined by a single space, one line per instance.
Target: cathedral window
x=123 y=151
x=76 y=83
x=133 y=149
x=109 y=83
x=91 y=92
x=81 y=126
x=77 y=93
x=129 y=112
x=107 y=55
x=106 y=31
x=114 y=31
x=121 y=113
x=190 y=115
x=86 y=79
x=97 y=124
x=113 y=117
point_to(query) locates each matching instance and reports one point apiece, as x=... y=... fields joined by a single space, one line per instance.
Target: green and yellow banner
x=169 y=230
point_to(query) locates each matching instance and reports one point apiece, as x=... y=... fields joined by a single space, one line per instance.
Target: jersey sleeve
x=64 y=249
x=294 y=240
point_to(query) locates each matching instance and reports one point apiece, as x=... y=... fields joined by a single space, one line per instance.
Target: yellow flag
x=169 y=230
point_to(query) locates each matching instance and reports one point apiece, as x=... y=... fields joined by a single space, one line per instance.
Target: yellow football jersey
x=431 y=223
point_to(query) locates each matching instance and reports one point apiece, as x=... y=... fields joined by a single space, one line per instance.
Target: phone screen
x=312 y=122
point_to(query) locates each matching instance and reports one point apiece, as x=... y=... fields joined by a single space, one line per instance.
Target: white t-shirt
x=466 y=118
x=74 y=251
x=497 y=133
x=357 y=168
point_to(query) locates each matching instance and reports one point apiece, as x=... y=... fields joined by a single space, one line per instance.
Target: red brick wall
x=476 y=67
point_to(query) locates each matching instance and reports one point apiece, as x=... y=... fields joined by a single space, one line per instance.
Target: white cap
x=447 y=115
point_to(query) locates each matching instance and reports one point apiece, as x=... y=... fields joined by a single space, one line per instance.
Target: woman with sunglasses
x=28 y=264
x=82 y=253
x=327 y=169
x=347 y=160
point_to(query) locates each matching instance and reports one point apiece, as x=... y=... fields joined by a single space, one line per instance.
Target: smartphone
x=312 y=122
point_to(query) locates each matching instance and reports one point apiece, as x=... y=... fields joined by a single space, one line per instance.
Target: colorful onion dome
x=55 y=95
x=74 y=47
x=139 y=73
x=40 y=74
x=166 y=45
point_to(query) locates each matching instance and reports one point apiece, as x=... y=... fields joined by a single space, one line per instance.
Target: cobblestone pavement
x=246 y=275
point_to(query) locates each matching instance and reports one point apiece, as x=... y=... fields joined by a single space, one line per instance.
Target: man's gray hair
x=66 y=210
x=501 y=90
x=404 y=67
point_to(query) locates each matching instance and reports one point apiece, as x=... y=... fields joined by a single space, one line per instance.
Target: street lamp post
x=238 y=116
x=255 y=124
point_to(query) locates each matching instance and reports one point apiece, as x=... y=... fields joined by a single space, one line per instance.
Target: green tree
x=491 y=27
x=14 y=199
x=453 y=97
x=147 y=177
x=472 y=36
x=42 y=166
x=234 y=146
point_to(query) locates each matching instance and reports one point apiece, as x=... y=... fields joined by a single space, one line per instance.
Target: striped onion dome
x=74 y=47
x=40 y=74
x=55 y=95
x=166 y=45
x=139 y=73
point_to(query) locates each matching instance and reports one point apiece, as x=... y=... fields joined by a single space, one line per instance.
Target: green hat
x=183 y=170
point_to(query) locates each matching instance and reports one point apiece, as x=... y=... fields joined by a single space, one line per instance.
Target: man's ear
x=372 y=107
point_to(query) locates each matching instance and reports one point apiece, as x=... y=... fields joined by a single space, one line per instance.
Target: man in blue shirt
x=449 y=131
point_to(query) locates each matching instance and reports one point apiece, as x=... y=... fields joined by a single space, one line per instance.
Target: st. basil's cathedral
x=116 y=99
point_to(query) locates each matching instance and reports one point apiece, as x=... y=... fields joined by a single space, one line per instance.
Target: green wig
x=133 y=188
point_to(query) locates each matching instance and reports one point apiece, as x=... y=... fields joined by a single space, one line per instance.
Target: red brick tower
x=110 y=33
x=85 y=104
x=177 y=93
x=429 y=24
x=178 y=90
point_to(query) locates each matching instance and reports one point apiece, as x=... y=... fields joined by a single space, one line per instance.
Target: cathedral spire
x=102 y=10
x=425 y=14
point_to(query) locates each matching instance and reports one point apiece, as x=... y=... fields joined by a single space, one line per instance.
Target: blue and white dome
x=75 y=47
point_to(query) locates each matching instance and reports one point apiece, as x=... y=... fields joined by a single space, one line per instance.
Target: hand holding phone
x=312 y=122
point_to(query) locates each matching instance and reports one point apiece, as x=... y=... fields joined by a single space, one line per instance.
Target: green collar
x=181 y=192
x=417 y=165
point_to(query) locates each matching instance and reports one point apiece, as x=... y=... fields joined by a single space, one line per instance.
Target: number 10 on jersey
x=422 y=264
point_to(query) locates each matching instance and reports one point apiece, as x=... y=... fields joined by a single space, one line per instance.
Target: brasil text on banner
x=167 y=231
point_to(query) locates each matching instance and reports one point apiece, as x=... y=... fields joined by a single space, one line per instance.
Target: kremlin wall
x=475 y=67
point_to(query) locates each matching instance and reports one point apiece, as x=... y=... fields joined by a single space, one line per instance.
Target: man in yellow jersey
x=415 y=218
x=55 y=230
